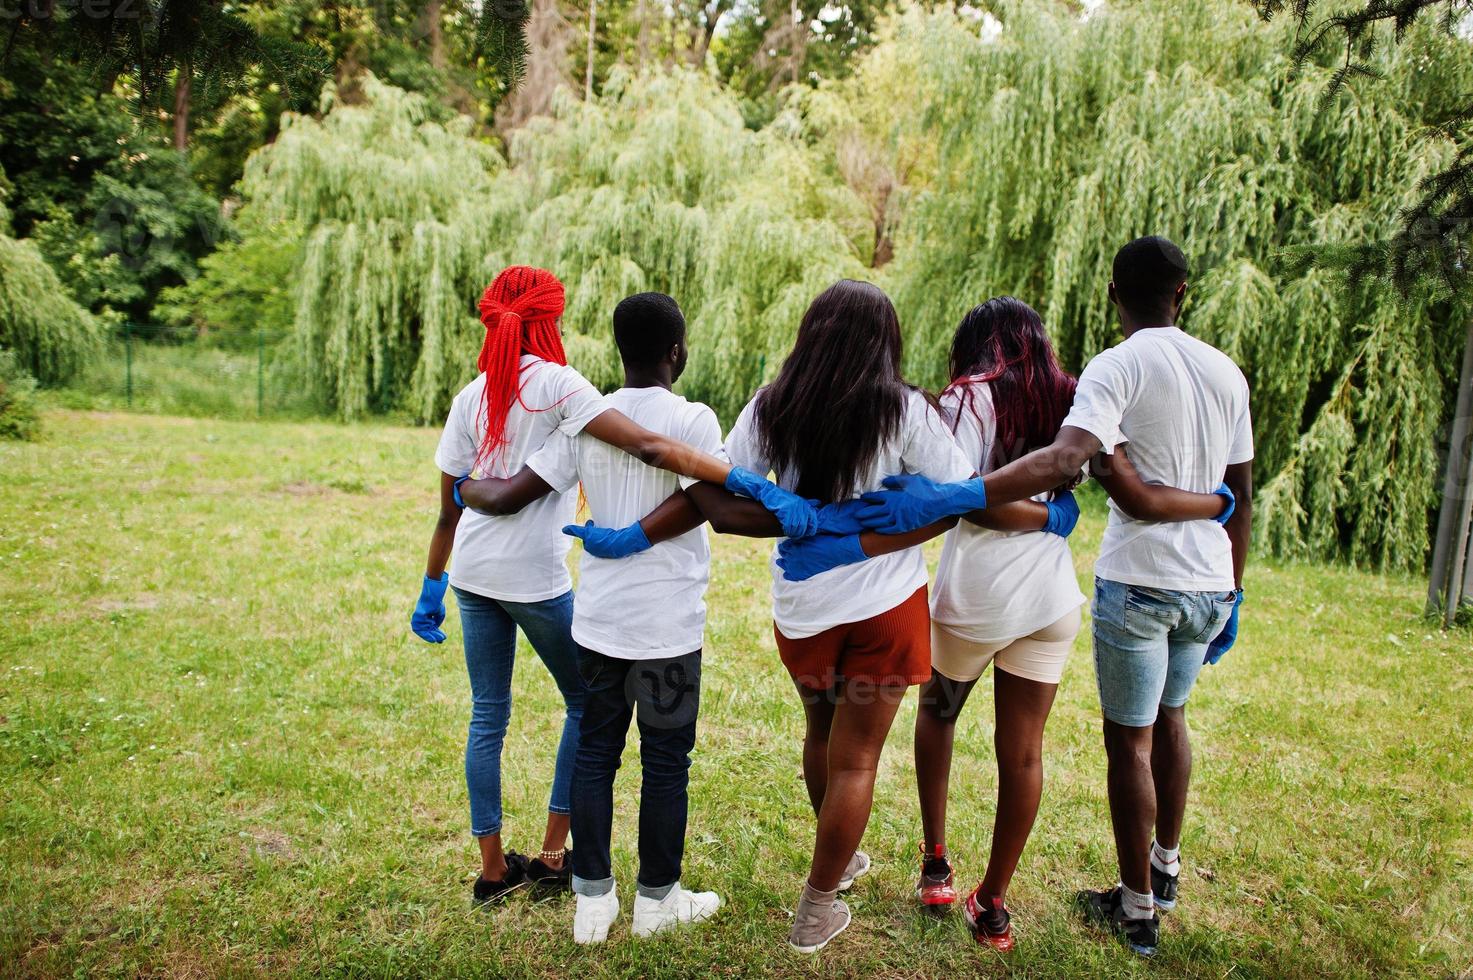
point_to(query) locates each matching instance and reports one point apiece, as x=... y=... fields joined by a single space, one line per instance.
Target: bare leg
x=493 y=861
x=555 y=837
x=1171 y=769
x=1022 y=709
x=818 y=711
x=941 y=704
x=861 y=720
x=1132 y=801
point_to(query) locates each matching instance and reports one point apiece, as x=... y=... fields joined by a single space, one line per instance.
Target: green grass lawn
x=222 y=751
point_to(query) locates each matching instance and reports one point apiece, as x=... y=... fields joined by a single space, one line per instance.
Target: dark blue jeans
x=489 y=627
x=665 y=695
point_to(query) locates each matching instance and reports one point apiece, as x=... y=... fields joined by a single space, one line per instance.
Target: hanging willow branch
x=656 y=185
x=1060 y=140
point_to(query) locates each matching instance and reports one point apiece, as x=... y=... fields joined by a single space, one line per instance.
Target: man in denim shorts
x=1163 y=591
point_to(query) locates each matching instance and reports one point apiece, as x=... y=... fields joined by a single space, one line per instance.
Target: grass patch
x=221 y=751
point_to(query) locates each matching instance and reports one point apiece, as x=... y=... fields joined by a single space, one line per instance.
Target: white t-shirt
x=1182 y=405
x=997 y=586
x=852 y=593
x=520 y=557
x=652 y=604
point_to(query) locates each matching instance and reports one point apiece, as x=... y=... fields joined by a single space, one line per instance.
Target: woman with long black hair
x=837 y=419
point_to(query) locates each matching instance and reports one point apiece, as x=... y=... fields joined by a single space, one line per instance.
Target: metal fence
x=174 y=370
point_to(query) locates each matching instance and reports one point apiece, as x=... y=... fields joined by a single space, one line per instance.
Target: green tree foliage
x=398 y=213
x=1430 y=246
x=244 y=291
x=113 y=208
x=659 y=185
x=1061 y=138
x=656 y=185
x=49 y=335
x=18 y=416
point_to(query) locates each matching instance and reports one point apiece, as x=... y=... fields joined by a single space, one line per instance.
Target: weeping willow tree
x=659 y=185
x=655 y=185
x=398 y=214
x=52 y=337
x=1058 y=139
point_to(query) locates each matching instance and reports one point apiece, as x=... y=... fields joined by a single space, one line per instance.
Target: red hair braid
x=520 y=310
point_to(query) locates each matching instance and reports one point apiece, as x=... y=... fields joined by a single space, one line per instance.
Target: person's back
x=650 y=604
x=1183 y=410
x=639 y=623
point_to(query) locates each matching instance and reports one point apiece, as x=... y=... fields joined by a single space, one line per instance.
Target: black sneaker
x=547 y=881
x=485 y=892
x=1164 y=887
x=1106 y=910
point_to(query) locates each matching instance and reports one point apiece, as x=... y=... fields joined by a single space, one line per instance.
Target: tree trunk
x=181 y=107
x=1449 y=546
x=434 y=34
x=592 y=33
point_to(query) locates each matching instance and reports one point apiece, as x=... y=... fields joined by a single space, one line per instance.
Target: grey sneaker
x=857 y=867
x=820 y=917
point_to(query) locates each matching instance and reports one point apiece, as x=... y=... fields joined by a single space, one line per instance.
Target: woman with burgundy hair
x=510 y=568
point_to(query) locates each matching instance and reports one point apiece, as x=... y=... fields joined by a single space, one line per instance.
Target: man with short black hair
x=639 y=616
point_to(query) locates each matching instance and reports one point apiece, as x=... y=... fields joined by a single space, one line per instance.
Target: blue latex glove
x=1229 y=634
x=840 y=518
x=455 y=492
x=604 y=542
x=798 y=517
x=804 y=558
x=429 y=611
x=911 y=501
x=1224 y=491
x=1063 y=514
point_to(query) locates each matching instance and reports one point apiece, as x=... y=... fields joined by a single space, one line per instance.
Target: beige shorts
x=1040 y=656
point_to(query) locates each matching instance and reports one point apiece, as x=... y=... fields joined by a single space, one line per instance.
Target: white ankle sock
x=1137 y=905
x=1166 y=860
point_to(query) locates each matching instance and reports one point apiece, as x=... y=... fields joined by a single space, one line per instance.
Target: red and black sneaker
x=937 y=887
x=989 y=920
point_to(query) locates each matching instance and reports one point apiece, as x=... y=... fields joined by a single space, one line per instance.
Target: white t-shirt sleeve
x=1105 y=390
x=557 y=461
x=1240 y=448
x=743 y=445
x=575 y=399
x=704 y=433
x=456 y=453
x=929 y=448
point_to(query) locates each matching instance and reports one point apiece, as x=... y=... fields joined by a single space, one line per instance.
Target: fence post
x=260 y=369
x=128 y=358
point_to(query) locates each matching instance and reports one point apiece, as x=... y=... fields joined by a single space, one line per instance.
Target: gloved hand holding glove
x=912 y=501
x=798 y=517
x=1063 y=515
x=802 y=559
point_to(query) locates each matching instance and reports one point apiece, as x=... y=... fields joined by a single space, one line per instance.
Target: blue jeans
x=489 y=627
x=664 y=697
x=1149 y=646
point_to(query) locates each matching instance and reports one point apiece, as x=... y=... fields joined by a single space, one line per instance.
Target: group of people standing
x=865 y=468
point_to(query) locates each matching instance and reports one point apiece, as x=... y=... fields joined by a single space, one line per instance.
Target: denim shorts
x=1149 y=646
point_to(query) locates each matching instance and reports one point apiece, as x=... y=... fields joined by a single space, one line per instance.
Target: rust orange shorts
x=892 y=649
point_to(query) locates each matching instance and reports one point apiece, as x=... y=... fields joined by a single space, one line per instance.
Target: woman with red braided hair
x=510 y=569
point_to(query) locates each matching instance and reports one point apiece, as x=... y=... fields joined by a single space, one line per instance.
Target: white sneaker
x=594 y=915
x=678 y=908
